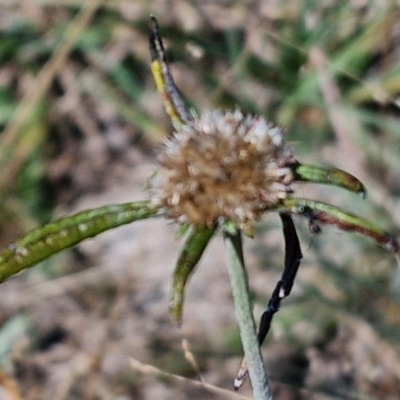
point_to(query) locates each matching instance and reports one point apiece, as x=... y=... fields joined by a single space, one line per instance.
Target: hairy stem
x=244 y=314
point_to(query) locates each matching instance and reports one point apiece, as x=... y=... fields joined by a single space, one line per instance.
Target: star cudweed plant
x=218 y=171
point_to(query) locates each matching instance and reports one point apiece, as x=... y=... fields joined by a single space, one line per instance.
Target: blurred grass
x=327 y=71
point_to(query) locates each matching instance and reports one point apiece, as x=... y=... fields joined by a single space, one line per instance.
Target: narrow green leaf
x=330 y=176
x=43 y=242
x=318 y=212
x=193 y=249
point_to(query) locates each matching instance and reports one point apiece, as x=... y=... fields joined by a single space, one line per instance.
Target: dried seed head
x=222 y=165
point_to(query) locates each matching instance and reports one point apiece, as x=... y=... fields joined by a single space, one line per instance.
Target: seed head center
x=224 y=165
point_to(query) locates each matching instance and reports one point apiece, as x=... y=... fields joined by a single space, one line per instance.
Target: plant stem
x=244 y=314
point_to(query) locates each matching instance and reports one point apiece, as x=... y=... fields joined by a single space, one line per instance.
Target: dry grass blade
x=152 y=371
x=13 y=133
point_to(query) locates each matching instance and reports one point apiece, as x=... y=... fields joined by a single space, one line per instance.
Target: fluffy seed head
x=223 y=165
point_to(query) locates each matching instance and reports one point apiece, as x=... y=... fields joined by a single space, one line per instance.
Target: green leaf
x=193 y=249
x=43 y=242
x=330 y=176
x=318 y=212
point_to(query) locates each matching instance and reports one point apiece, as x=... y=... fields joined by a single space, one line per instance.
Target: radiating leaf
x=318 y=212
x=193 y=249
x=66 y=232
x=330 y=176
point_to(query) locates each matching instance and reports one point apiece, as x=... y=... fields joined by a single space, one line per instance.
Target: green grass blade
x=43 y=242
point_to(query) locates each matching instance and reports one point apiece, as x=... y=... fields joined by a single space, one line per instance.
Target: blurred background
x=81 y=123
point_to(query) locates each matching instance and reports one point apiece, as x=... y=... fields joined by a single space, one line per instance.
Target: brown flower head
x=223 y=165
